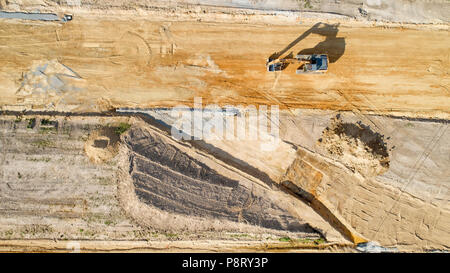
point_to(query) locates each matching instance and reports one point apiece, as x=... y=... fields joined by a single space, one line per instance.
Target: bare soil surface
x=363 y=152
x=405 y=206
x=52 y=190
x=147 y=62
x=163 y=185
x=371 y=189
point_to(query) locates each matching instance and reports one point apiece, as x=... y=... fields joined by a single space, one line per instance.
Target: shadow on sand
x=332 y=45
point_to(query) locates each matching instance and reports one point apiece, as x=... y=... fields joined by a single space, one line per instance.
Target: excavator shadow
x=333 y=46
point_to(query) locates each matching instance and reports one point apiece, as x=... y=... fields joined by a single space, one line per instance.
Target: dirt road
x=141 y=63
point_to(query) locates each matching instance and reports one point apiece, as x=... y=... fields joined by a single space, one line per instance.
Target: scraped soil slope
x=172 y=181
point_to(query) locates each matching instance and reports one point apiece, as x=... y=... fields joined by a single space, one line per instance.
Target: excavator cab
x=316 y=63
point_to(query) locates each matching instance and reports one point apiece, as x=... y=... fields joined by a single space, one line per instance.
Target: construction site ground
x=364 y=150
x=141 y=62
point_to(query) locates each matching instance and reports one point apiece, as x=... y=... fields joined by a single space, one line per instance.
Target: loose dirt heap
x=356 y=146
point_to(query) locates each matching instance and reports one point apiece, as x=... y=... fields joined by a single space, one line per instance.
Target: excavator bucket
x=314 y=64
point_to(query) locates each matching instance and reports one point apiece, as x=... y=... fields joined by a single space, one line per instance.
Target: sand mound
x=356 y=146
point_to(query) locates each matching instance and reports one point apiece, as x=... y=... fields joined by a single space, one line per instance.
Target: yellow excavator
x=309 y=64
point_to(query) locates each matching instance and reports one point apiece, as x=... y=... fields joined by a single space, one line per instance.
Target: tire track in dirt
x=417 y=165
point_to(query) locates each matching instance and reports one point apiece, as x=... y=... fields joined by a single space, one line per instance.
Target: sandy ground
x=374 y=175
x=205 y=246
x=51 y=190
x=56 y=191
x=142 y=62
x=404 y=207
x=370 y=171
x=419 y=11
